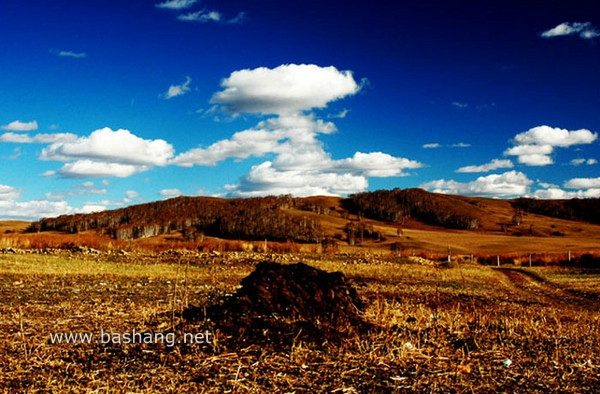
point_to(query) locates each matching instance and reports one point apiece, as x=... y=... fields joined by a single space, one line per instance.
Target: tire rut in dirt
x=548 y=293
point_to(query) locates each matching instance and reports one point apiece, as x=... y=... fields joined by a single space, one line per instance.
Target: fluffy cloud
x=243 y=144
x=583 y=183
x=376 y=164
x=265 y=179
x=511 y=183
x=286 y=89
x=131 y=194
x=533 y=147
x=54 y=204
x=555 y=193
x=107 y=153
x=38 y=138
x=168 y=193
x=10 y=208
x=33 y=210
x=493 y=165
x=283 y=135
x=584 y=30
x=327 y=177
x=108 y=146
x=90 y=168
x=17 y=125
x=177 y=90
x=586 y=188
x=176 y=4
x=301 y=165
x=8 y=193
x=554 y=136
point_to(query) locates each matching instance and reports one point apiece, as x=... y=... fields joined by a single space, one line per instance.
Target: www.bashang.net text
x=132 y=337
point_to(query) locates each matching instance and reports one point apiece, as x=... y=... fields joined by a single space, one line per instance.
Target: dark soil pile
x=280 y=303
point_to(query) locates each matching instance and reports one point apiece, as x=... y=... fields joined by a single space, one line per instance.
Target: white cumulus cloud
x=574 y=188
x=298 y=162
x=17 y=125
x=243 y=144
x=585 y=30
x=131 y=194
x=288 y=136
x=107 y=152
x=33 y=210
x=556 y=193
x=105 y=145
x=11 y=208
x=168 y=193
x=8 y=193
x=554 y=136
x=376 y=164
x=38 y=138
x=511 y=183
x=534 y=147
x=89 y=168
x=265 y=179
x=583 y=183
x=286 y=89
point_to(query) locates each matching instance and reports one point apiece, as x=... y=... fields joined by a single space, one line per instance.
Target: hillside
x=409 y=219
x=194 y=217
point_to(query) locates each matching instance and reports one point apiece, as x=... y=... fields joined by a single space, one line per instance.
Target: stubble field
x=434 y=327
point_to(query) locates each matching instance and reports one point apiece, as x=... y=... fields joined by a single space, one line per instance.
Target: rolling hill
x=409 y=219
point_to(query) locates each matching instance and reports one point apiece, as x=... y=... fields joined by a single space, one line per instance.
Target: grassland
x=439 y=327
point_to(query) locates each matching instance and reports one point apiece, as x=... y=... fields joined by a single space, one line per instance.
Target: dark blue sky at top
x=467 y=76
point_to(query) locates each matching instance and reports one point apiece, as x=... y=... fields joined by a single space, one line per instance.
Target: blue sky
x=108 y=103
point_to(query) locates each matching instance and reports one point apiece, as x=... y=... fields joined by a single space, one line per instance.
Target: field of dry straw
x=434 y=328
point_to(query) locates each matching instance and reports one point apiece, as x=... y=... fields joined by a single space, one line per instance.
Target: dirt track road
x=538 y=290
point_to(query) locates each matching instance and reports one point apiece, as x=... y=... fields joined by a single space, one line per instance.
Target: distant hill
x=319 y=219
x=587 y=210
x=251 y=218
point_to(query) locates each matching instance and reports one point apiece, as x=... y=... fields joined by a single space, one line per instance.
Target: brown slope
x=313 y=219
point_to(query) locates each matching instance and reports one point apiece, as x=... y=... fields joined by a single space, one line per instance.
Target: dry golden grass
x=441 y=328
x=10 y=226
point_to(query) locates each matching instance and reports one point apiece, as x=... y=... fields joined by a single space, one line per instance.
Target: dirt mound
x=280 y=302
